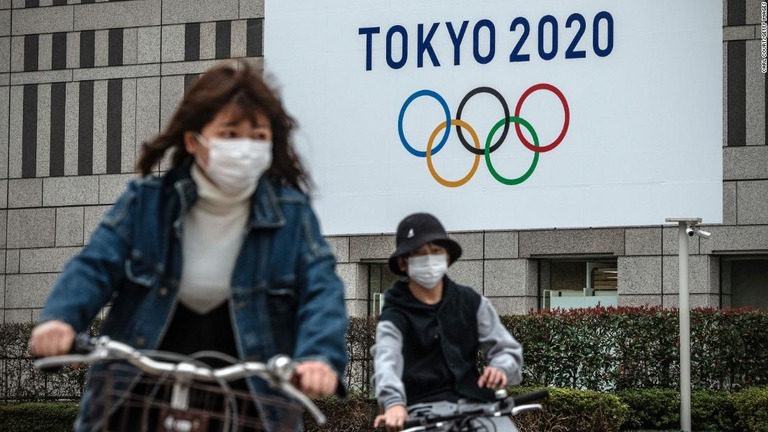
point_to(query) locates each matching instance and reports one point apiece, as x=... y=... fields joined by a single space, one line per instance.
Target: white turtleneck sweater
x=213 y=235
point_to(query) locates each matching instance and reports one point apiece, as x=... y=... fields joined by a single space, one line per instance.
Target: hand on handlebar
x=51 y=338
x=492 y=377
x=393 y=418
x=315 y=378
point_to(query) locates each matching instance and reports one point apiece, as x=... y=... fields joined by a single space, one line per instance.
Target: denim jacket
x=285 y=294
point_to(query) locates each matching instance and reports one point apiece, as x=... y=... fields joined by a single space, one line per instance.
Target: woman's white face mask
x=427 y=270
x=235 y=165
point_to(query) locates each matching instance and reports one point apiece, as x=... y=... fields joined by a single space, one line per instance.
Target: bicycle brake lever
x=521 y=408
x=292 y=391
x=54 y=364
x=282 y=369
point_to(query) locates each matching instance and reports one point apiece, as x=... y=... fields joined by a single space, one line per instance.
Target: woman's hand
x=492 y=377
x=51 y=338
x=316 y=378
x=392 y=419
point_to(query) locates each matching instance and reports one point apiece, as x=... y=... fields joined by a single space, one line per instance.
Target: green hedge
x=37 y=416
x=564 y=410
x=22 y=382
x=604 y=350
x=751 y=407
x=634 y=348
x=573 y=410
x=601 y=349
x=722 y=411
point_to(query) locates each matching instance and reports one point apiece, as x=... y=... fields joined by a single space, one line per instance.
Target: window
x=379 y=280
x=577 y=283
x=744 y=282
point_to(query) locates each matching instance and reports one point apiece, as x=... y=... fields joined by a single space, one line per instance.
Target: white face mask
x=427 y=270
x=235 y=165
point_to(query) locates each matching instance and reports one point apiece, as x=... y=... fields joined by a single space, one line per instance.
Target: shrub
x=355 y=413
x=598 y=349
x=360 y=338
x=565 y=410
x=37 y=417
x=573 y=410
x=631 y=348
x=651 y=408
x=601 y=349
x=728 y=349
x=751 y=407
x=712 y=410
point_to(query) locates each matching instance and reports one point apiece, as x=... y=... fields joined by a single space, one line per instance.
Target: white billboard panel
x=503 y=114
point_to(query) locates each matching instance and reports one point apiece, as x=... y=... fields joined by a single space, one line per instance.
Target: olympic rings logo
x=489 y=148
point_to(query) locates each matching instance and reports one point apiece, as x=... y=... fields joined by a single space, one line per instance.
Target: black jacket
x=440 y=343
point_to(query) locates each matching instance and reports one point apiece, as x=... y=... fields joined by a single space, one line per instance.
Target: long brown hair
x=231 y=83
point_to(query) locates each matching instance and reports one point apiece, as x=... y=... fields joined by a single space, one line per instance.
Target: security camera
x=694 y=230
x=703 y=234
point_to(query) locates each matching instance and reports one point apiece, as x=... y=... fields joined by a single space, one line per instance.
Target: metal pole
x=685 y=331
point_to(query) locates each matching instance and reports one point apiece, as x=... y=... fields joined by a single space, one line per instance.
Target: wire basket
x=126 y=400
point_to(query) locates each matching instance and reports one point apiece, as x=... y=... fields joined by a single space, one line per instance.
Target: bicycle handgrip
x=530 y=397
x=414 y=422
x=431 y=420
x=49 y=369
x=82 y=344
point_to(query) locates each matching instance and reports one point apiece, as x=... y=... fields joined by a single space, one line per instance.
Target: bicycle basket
x=126 y=400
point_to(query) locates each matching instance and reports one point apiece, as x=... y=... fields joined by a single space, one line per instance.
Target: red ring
x=559 y=139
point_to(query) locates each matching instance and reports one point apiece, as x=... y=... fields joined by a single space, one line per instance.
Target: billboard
x=503 y=114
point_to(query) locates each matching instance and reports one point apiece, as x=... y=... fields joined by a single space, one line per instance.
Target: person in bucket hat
x=431 y=329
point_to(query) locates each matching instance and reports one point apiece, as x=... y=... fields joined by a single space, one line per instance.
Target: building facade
x=83 y=83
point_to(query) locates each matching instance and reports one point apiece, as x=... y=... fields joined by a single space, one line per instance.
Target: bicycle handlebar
x=509 y=406
x=277 y=372
x=526 y=398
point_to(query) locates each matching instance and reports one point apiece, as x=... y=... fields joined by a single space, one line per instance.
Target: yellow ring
x=442 y=181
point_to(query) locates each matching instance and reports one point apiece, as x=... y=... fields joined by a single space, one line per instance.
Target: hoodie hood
x=400 y=295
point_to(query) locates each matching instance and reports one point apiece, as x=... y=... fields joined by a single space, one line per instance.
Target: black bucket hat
x=417 y=230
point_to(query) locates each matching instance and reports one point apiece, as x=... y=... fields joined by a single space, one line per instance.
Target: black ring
x=491 y=91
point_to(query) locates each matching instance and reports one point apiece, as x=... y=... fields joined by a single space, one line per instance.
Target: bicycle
x=473 y=417
x=183 y=394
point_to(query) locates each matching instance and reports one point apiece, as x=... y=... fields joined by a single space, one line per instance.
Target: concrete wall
x=83 y=83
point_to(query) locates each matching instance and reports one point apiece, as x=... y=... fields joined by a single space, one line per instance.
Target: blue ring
x=443 y=140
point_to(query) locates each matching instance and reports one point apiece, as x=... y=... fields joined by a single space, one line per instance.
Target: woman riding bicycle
x=222 y=252
x=431 y=330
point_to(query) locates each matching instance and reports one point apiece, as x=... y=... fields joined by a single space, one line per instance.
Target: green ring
x=496 y=175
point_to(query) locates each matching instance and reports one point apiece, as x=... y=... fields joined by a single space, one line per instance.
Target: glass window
x=744 y=282
x=379 y=280
x=578 y=283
